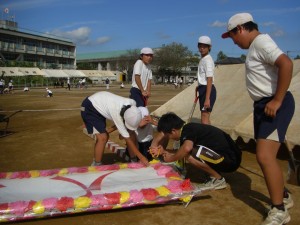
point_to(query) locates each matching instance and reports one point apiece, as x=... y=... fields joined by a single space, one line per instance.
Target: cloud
x=162 y=35
x=218 y=24
x=102 y=40
x=81 y=36
x=277 y=32
x=267 y=24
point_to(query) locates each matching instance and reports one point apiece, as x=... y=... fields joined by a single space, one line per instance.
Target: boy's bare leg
x=101 y=140
x=266 y=154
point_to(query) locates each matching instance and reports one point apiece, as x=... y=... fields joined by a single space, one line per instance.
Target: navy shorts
x=93 y=120
x=266 y=127
x=137 y=96
x=202 y=96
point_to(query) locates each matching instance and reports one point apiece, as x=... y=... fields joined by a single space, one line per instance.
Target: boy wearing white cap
x=141 y=78
x=268 y=76
x=206 y=89
x=126 y=117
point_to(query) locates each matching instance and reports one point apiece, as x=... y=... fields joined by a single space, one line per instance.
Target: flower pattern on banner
x=176 y=188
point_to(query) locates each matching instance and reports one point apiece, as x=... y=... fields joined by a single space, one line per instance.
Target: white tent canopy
x=58 y=73
x=20 y=71
x=102 y=74
x=74 y=73
x=233 y=109
x=55 y=73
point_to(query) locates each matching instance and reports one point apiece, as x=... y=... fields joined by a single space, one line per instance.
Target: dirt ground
x=50 y=136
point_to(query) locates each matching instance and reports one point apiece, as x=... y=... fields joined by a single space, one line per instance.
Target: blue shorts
x=137 y=96
x=266 y=127
x=202 y=96
x=93 y=120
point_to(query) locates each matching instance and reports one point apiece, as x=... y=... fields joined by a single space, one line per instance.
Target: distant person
x=49 y=93
x=1 y=86
x=180 y=82
x=107 y=83
x=83 y=83
x=68 y=84
x=80 y=83
x=99 y=107
x=268 y=76
x=175 y=84
x=206 y=89
x=206 y=147
x=141 y=78
x=10 y=86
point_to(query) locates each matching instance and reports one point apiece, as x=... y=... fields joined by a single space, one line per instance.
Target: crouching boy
x=206 y=147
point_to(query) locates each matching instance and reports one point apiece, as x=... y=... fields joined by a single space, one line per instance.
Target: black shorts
x=202 y=96
x=137 y=96
x=232 y=157
x=266 y=127
x=93 y=120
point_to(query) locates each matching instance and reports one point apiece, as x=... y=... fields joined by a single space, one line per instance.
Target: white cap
x=147 y=51
x=132 y=117
x=235 y=20
x=144 y=111
x=204 y=40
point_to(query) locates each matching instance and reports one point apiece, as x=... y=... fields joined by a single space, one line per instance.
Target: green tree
x=243 y=57
x=221 y=56
x=85 y=66
x=126 y=62
x=170 y=59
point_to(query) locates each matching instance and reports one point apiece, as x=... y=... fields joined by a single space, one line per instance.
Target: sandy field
x=48 y=134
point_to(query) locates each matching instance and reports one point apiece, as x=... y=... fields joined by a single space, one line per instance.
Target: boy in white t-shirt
x=206 y=89
x=126 y=117
x=268 y=76
x=141 y=78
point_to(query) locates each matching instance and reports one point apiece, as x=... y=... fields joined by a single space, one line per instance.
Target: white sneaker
x=288 y=202
x=216 y=183
x=277 y=217
x=94 y=163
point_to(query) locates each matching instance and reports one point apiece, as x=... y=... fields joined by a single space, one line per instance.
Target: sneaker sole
x=288 y=219
x=223 y=186
x=289 y=205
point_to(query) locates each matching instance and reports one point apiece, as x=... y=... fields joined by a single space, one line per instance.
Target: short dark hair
x=248 y=26
x=168 y=122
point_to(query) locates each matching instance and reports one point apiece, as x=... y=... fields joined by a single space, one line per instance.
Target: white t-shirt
x=206 y=69
x=109 y=105
x=144 y=71
x=261 y=74
x=145 y=133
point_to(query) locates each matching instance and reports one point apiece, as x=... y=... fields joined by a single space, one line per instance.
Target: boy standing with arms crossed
x=268 y=76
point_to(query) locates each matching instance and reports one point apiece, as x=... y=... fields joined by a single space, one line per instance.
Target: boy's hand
x=144 y=160
x=155 y=151
x=168 y=156
x=145 y=121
